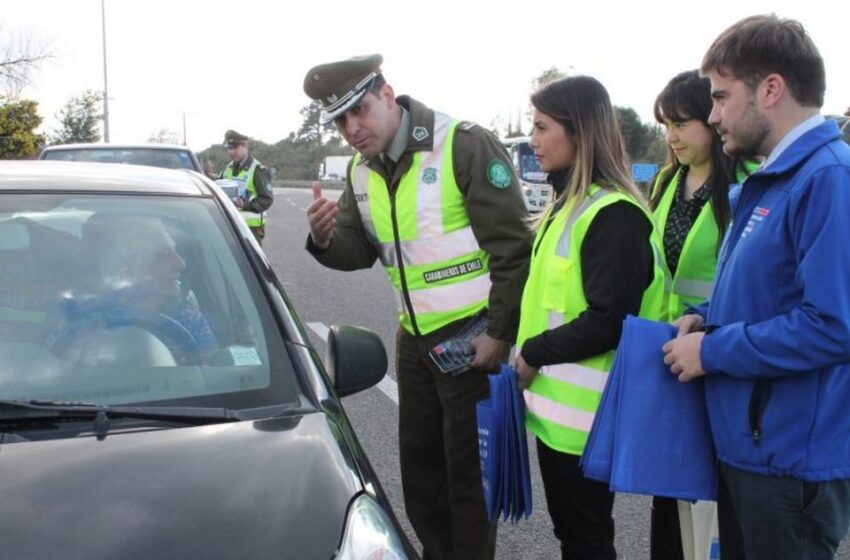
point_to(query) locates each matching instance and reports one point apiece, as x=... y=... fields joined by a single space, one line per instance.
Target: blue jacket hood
x=778 y=357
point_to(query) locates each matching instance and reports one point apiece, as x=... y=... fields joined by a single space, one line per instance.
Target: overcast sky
x=241 y=64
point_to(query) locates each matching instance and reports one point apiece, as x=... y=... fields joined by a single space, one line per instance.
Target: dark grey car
x=158 y=395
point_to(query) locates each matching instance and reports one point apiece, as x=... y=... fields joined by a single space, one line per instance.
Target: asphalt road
x=325 y=297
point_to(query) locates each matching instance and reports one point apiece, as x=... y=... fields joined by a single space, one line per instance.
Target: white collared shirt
x=792 y=136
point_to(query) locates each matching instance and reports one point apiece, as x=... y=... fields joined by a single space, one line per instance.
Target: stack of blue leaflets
x=651 y=433
x=503 y=449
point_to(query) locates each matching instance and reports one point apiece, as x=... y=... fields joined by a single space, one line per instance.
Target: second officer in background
x=257 y=179
x=437 y=201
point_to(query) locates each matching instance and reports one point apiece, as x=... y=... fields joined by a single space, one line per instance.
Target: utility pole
x=184 y=128
x=105 y=87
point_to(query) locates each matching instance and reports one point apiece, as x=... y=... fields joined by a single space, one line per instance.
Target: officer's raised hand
x=321 y=214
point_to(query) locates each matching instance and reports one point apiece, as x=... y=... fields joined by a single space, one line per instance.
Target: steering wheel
x=170 y=332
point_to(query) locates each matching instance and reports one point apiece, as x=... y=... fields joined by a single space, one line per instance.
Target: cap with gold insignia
x=233 y=139
x=339 y=85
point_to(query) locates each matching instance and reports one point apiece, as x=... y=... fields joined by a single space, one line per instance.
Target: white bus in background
x=535 y=190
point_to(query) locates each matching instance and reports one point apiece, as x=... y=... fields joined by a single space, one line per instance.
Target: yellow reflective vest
x=694 y=279
x=423 y=236
x=562 y=400
x=246 y=178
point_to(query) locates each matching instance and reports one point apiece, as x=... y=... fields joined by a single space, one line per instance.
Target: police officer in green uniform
x=256 y=179
x=437 y=202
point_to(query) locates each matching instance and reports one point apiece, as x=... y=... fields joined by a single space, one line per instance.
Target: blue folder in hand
x=503 y=449
x=651 y=434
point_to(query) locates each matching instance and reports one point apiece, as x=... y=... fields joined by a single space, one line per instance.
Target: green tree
x=18 y=121
x=79 y=119
x=312 y=131
x=643 y=142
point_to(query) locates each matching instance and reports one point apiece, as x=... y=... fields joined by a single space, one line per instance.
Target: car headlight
x=369 y=533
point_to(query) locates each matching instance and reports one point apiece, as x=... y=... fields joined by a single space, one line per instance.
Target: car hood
x=275 y=488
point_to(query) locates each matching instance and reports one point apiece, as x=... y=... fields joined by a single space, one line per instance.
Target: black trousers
x=771 y=518
x=580 y=508
x=438 y=442
x=665 y=540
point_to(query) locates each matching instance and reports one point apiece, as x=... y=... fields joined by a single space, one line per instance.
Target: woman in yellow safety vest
x=690 y=202
x=595 y=259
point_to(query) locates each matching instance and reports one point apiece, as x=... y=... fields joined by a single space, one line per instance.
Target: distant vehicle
x=333 y=168
x=535 y=190
x=168 y=156
x=159 y=397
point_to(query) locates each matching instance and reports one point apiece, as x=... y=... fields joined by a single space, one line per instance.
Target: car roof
x=99 y=177
x=97 y=146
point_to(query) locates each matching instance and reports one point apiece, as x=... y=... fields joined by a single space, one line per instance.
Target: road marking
x=320 y=329
x=387 y=385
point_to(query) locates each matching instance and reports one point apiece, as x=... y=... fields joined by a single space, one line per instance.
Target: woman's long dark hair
x=688 y=96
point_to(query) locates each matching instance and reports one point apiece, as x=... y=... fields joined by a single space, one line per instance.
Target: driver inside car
x=139 y=284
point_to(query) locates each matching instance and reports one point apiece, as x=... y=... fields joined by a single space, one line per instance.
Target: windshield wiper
x=36 y=410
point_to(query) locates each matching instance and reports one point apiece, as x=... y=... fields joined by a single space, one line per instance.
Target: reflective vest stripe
x=431 y=224
x=577 y=375
x=417 y=252
x=446 y=298
x=693 y=288
x=558 y=413
x=563 y=248
x=361 y=175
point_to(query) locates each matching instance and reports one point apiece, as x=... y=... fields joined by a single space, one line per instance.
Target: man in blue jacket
x=773 y=342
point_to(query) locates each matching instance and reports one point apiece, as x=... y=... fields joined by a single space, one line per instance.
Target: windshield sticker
x=244 y=356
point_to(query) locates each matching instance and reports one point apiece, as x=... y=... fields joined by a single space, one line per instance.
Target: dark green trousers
x=259 y=233
x=438 y=440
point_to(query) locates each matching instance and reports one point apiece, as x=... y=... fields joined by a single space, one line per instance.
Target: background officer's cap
x=340 y=85
x=233 y=139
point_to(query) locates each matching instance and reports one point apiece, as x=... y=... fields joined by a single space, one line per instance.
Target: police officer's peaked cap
x=340 y=85
x=233 y=139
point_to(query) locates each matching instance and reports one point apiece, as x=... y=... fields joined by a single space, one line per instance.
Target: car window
x=127 y=299
x=155 y=157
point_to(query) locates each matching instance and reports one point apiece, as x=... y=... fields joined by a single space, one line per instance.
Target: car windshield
x=117 y=299
x=156 y=157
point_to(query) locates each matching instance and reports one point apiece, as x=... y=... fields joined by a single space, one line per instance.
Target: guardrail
x=297 y=184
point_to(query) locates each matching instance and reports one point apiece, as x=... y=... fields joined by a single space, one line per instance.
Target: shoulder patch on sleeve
x=499 y=174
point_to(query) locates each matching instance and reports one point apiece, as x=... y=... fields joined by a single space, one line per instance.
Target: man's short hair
x=758 y=46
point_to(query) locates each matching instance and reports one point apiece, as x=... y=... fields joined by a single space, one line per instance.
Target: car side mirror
x=356 y=359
